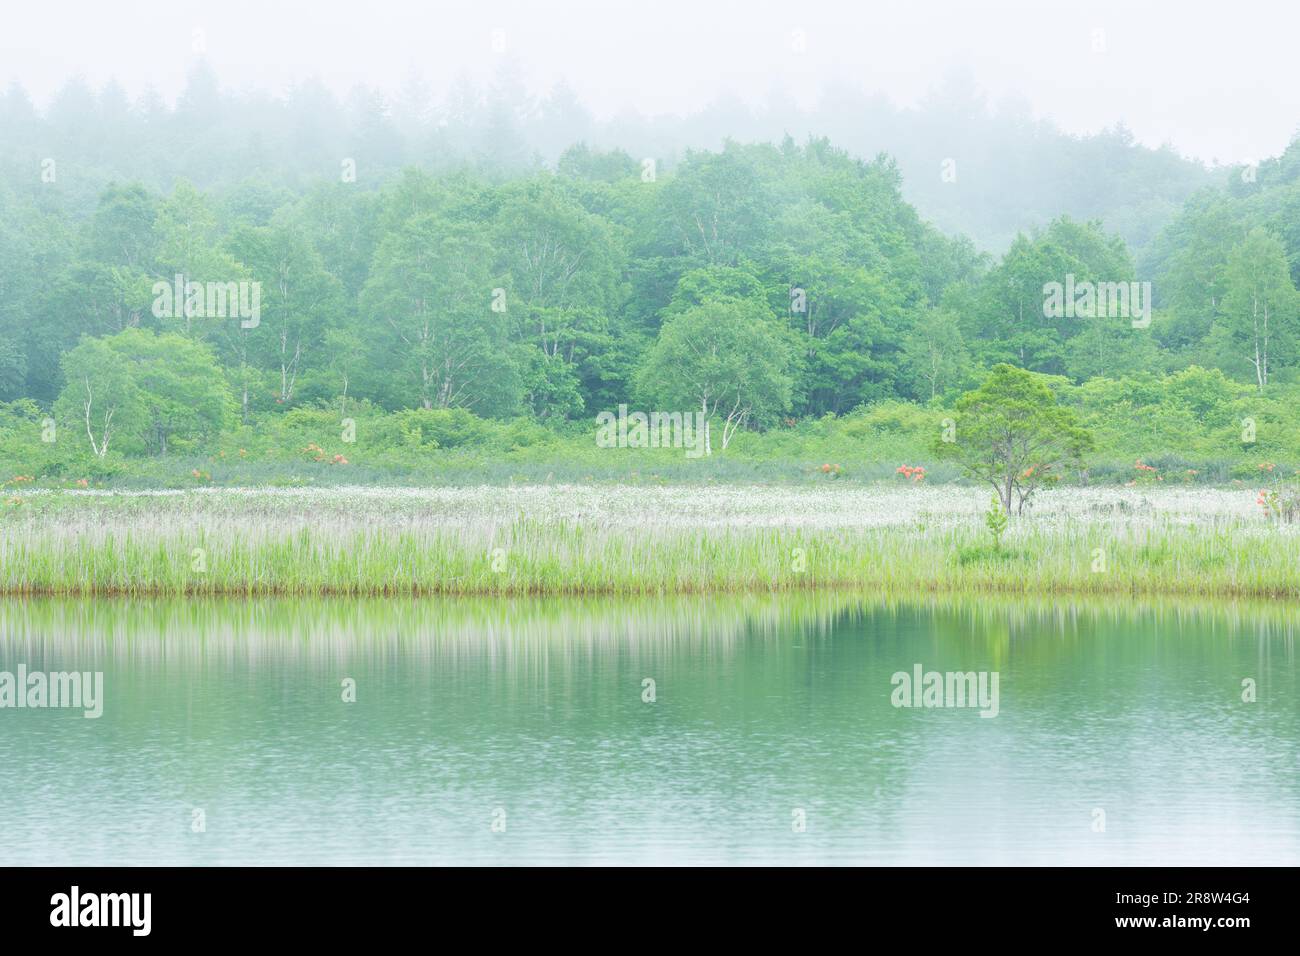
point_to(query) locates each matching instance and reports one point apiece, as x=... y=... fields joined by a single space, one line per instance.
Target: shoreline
x=864 y=588
x=553 y=541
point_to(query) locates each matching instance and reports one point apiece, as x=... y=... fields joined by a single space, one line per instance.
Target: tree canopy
x=1013 y=434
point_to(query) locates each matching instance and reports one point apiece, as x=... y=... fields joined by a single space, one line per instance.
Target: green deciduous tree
x=935 y=353
x=100 y=397
x=727 y=359
x=429 y=302
x=1013 y=434
x=142 y=391
x=300 y=302
x=564 y=267
x=1259 y=307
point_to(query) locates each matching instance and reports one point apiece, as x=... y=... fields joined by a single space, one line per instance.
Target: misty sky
x=1218 y=81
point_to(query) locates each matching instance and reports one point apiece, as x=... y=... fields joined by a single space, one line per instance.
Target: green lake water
x=520 y=732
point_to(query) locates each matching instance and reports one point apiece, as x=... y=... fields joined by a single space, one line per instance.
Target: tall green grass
x=210 y=545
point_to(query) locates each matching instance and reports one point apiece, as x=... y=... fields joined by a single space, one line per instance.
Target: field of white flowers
x=826 y=505
x=642 y=539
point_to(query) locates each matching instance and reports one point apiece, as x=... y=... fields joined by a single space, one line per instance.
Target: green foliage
x=1013 y=434
x=143 y=391
x=1260 y=307
x=726 y=358
x=374 y=542
x=473 y=321
x=995 y=519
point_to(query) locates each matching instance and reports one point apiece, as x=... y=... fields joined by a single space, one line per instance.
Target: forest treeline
x=767 y=283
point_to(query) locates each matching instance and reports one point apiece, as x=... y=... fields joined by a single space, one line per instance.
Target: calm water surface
x=766 y=710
